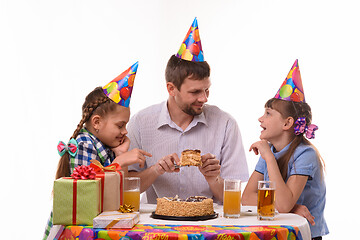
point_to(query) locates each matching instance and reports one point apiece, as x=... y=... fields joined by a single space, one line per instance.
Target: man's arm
x=211 y=171
x=149 y=175
x=233 y=161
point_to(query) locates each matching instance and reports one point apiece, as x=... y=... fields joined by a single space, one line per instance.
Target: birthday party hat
x=292 y=88
x=119 y=90
x=191 y=49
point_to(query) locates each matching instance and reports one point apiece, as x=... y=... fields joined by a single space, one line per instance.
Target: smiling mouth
x=198 y=105
x=121 y=139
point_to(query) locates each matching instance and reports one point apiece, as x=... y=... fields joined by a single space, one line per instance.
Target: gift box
x=116 y=219
x=76 y=202
x=112 y=185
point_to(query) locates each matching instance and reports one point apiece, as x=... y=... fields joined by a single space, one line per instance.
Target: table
x=247 y=227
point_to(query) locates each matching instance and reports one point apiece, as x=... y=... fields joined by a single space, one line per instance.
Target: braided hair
x=294 y=110
x=96 y=102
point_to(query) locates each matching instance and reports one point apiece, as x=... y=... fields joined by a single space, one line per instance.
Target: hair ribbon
x=71 y=147
x=300 y=127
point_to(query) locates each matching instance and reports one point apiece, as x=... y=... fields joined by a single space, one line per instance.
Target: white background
x=53 y=53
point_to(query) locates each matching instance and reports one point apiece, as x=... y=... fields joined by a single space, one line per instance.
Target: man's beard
x=190 y=111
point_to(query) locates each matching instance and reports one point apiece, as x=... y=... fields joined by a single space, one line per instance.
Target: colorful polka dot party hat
x=119 y=90
x=191 y=49
x=292 y=88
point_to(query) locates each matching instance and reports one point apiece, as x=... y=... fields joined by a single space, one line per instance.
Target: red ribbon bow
x=83 y=172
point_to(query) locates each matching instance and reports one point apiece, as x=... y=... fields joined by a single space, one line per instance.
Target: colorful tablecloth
x=183 y=232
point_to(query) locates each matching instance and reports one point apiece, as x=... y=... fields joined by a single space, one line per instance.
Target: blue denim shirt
x=305 y=162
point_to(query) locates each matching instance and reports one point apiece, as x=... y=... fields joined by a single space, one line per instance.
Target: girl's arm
x=287 y=193
x=125 y=158
x=249 y=196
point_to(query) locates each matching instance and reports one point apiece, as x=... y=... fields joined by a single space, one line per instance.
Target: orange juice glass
x=232 y=198
x=132 y=192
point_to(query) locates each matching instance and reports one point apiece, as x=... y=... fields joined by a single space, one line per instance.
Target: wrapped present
x=116 y=219
x=112 y=185
x=76 y=201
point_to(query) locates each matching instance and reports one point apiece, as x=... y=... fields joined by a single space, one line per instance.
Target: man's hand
x=167 y=164
x=210 y=166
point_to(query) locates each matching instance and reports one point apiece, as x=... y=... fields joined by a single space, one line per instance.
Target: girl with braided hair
x=101 y=132
x=101 y=135
x=288 y=158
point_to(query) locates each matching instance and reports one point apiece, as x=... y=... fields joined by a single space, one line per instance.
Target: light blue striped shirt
x=214 y=131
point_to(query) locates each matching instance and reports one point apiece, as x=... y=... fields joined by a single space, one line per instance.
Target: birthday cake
x=190 y=158
x=190 y=207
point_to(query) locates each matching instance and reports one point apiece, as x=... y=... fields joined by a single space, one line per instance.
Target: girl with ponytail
x=288 y=158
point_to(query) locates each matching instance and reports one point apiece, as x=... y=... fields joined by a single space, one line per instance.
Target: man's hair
x=178 y=69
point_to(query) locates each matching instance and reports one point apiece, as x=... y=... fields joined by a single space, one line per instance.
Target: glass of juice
x=232 y=198
x=132 y=192
x=266 y=200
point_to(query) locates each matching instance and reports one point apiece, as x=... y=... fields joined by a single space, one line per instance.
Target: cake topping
x=189 y=199
x=195 y=199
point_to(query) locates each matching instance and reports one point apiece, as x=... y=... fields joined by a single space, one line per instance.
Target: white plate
x=248 y=210
x=147 y=208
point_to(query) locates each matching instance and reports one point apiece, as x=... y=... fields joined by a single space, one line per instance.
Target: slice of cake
x=190 y=158
x=192 y=206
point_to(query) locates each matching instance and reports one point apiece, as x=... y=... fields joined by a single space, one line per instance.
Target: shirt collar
x=281 y=153
x=104 y=152
x=164 y=118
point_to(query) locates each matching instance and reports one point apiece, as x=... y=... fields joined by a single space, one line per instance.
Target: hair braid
x=87 y=112
x=97 y=102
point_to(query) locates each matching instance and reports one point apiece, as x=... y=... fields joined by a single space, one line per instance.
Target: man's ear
x=289 y=122
x=171 y=88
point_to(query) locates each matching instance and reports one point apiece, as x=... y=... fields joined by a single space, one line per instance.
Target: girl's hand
x=261 y=147
x=304 y=212
x=131 y=157
x=122 y=148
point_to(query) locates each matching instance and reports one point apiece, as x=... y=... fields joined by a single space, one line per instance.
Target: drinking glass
x=232 y=198
x=132 y=192
x=266 y=200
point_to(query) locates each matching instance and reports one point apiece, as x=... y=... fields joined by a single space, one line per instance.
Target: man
x=184 y=121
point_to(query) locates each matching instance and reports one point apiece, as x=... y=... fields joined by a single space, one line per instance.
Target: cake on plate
x=190 y=207
x=190 y=158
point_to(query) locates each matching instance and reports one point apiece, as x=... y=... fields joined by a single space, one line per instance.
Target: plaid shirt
x=90 y=147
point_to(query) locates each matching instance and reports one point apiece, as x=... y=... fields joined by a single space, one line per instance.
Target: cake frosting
x=190 y=207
